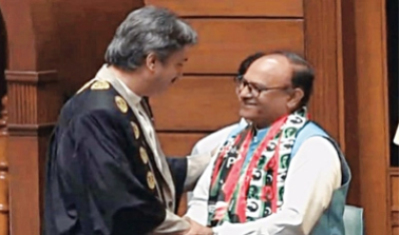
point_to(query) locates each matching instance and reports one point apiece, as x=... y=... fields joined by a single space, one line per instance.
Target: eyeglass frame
x=241 y=83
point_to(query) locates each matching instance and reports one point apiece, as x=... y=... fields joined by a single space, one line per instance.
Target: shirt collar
x=105 y=73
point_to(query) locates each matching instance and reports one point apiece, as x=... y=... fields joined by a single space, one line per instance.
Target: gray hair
x=145 y=30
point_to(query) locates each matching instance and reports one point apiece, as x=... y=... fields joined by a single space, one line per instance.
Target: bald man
x=281 y=174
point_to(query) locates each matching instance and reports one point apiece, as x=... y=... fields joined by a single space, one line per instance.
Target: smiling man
x=281 y=174
x=106 y=173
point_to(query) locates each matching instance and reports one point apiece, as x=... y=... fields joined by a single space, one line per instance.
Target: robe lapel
x=167 y=186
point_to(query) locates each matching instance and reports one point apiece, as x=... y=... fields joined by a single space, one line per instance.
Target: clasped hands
x=196 y=228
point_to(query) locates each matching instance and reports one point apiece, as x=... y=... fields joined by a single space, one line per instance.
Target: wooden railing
x=394 y=199
x=4 y=208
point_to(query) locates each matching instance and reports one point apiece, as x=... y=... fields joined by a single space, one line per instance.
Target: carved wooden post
x=4 y=225
x=32 y=108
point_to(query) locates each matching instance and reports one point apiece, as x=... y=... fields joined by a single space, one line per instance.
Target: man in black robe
x=106 y=173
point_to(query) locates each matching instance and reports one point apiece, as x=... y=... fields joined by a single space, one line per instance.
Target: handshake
x=196 y=228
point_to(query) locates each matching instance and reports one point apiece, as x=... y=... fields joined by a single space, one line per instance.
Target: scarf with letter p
x=242 y=192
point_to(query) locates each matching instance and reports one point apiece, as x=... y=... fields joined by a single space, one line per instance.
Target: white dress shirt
x=313 y=175
x=215 y=139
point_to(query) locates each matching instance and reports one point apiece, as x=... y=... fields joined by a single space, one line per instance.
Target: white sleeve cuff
x=172 y=224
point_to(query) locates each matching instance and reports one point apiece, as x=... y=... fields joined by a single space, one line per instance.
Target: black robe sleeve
x=178 y=168
x=118 y=200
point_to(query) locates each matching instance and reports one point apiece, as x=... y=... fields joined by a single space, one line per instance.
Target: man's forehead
x=271 y=63
x=270 y=69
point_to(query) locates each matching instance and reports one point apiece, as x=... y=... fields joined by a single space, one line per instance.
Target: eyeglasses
x=254 y=89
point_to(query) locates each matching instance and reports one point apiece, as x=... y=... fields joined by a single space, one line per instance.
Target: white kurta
x=313 y=175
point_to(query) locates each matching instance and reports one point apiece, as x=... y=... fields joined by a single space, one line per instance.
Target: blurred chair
x=353 y=220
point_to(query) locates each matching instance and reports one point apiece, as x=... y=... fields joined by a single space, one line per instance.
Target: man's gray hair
x=145 y=30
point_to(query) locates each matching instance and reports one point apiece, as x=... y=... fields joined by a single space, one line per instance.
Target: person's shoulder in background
x=211 y=141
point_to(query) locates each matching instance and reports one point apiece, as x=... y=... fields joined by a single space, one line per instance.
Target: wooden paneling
x=3 y=56
x=321 y=50
x=351 y=104
x=4 y=176
x=395 y=218
x=395 y=230
x=85 y=28
x=197 y=103
x=282 y=8
x=365 y=82
x=373 y=112
x=394 y=185
x=28 y=95
x=394 y=202
x=24 y=185
x=224 y=43
x=178 y=144
x=19 y=31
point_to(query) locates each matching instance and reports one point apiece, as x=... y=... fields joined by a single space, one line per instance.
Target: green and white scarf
x=240 y=193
